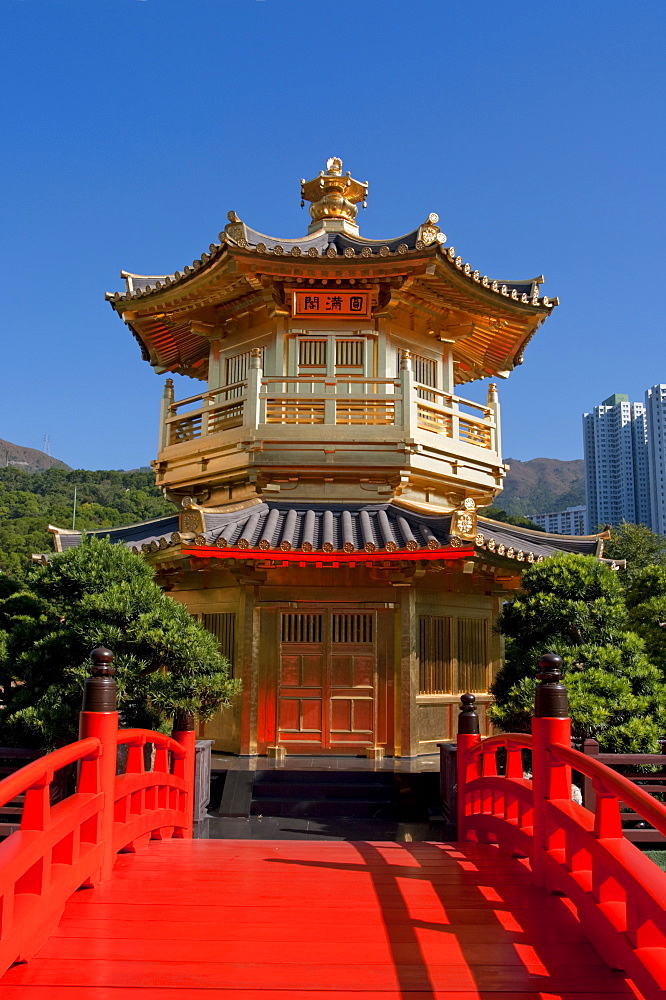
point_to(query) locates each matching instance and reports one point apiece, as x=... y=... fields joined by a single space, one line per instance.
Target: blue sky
x=131 y=127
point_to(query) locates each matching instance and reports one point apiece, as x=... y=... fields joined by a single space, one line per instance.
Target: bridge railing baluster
x=73 y=843
x=618 y=892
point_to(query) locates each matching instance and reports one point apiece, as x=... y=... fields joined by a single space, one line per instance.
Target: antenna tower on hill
x=47 y=445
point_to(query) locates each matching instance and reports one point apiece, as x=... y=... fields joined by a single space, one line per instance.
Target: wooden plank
x=318 y=977
x=424 y=946
x=267 y=920
x=220 y=993
x=138 y=927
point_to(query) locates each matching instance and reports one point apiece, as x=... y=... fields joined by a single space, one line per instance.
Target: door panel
x=363 y=715
x=289 y=714
x=326 y=696
x=302 y=680
x=312 y=671
x=311 y=715
x=342 y=670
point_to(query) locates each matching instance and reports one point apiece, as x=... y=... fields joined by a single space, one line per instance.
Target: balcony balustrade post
x=185 y=734
x=455 y=418
x=99 y=717
x=551 y=779
x=252 y=409
x=409 y=416
x=494 y=407
x=466 y=770
x=330 y=393
x=206 y=404
x=165 y=413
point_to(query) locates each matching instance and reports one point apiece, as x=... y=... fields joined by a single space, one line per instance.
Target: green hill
x=542 y=485
x=29 y=501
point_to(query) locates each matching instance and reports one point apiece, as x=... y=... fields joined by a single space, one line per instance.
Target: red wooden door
x=326 y=692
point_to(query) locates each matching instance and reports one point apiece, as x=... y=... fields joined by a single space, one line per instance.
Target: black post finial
x=99 y=693
x=468 y=720
x=550 y=697
x=183 y=721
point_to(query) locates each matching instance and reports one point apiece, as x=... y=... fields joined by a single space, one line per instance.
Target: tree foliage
x=499 y=514
x=105 y=499
x=638 y=545
x=574 y=605
x=101 y=594
x=646 y=605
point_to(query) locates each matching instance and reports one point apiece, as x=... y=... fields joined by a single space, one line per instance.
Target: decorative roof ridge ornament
x=429 y=231
x=334 y=198
x=234 y=230
x=463 y=521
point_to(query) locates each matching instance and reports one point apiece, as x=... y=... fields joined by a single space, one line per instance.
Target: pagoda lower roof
x=273 y=529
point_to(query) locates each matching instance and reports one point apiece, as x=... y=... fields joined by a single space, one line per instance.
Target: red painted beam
x=296 y=555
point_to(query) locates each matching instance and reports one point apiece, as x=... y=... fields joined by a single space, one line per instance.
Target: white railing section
x=351 y=400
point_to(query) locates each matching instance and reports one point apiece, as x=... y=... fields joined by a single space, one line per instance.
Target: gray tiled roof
x=322 y=243
x=540 y=543
x=335 y=527
x=278 y=527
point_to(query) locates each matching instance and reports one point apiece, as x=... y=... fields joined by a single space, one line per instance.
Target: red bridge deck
x=198 y=920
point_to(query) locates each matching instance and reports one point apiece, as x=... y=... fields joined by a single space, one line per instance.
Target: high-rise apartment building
x=616 y=463
x=655 y=411
x=562 y=522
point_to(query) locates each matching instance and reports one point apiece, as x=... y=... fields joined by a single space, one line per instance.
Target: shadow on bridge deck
x=206 y=919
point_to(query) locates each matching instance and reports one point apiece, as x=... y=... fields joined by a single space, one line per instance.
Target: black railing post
x=591 y=749
x=468 y=720
x=550 y=697
x=99 y=718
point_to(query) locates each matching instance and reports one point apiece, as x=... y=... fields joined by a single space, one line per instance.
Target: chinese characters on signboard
x=334 y=303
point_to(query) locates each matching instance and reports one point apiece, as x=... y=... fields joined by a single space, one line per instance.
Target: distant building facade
x=655 y=411
x=562 y=522
x=616 y=463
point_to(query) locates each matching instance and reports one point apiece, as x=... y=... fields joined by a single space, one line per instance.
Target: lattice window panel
x=223 y=626
x=425 y=369
x=235 y=370
x=425 y=372
x=349 y=353
x=473 y=666
x=312 y=353
x=352 y=628
x=301 y=627
x=435 y=660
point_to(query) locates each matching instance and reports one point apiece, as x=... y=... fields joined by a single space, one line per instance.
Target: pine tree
x=639 y=546
x=103 y=594
x=646 y=604
x=574 y=605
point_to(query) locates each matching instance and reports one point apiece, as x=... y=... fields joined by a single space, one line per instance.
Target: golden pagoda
x=327 y=477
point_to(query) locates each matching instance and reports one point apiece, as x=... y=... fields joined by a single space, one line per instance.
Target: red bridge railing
x=619 y=894
x=73 y=844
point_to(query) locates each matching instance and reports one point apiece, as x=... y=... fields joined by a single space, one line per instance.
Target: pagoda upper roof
x=329 y=244
x=275 y=530
x=174 y=316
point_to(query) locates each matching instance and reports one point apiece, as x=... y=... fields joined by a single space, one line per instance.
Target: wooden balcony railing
x=343 y=400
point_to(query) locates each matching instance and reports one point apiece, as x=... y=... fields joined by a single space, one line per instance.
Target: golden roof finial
x=334 y=198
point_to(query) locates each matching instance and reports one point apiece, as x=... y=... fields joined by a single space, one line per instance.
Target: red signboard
x=332 y=303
